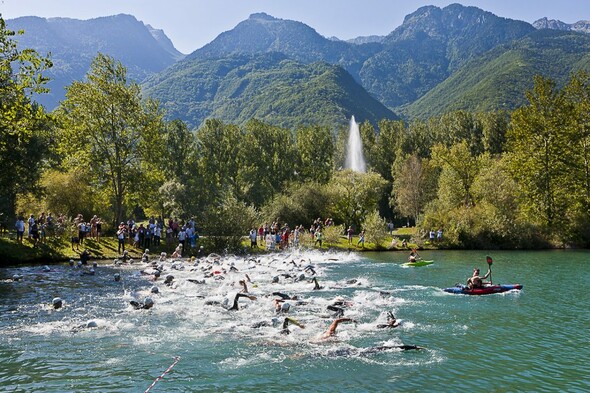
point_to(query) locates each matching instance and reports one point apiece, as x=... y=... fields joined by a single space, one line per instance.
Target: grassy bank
x=59 y=249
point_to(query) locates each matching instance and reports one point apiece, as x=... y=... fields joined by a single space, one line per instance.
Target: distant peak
x=262 y=16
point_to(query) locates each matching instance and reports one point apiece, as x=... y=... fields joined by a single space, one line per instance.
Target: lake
x=534 y=340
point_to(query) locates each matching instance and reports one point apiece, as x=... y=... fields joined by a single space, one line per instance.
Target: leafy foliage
x=105 y=126
x=24 y=127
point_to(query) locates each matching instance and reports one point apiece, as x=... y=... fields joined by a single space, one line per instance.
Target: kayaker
x=413 y=256
x=475 y=281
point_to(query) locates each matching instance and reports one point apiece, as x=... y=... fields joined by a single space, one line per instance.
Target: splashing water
x=354 y=149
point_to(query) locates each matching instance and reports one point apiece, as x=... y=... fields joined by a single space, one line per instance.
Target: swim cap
x=117 y=277
x=157 y=273
x=285 y=307
x=91 y=324
x=155 y=289
x=148 y=302
x=57 y=302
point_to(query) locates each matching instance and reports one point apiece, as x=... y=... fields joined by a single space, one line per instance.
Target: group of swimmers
x=215 y=269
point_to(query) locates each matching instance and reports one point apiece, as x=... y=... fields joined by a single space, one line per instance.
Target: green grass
x=59 y=249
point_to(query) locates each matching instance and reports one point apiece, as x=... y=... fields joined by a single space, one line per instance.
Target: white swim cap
x=285 y=307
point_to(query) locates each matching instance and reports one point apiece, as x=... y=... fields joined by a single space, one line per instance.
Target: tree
x=315 y=154
x=458 y=163
x=266 y=161
x=353 y=195
x=577 y=177
x=107 y=128
x=387 y=144
x=538 y=149
x=412 y=187
x=227 y=222
x=375 y=228
x=23 y=124
x=219 y=145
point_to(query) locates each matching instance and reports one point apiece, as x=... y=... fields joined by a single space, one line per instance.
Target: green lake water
x=534 y=340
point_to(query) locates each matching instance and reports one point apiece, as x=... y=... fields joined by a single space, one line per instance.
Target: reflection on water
x=516 y=341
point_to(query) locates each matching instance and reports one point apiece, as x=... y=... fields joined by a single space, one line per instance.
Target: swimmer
x=293 y=321
x=244 y=286
x=117 y=277
x=146 y=305
x=169 y=280
x=281 y=306
x=284 y=296
x=85 y=256
x=237 y=297
x=311 y=269
x=339 y=311
x=57 y=303
x=371 y=350
x=331 y=332
x=316 y=286
x=146 y=255
x=162 y=256
x=89 y=272
x=391 y=322
x=177 y=252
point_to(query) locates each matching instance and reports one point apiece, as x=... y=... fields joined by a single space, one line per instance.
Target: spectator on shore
x=20 y=229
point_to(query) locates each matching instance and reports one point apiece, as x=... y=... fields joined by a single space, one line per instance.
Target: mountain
x=582 y=26
x=269 y=86
x=396 y=69
x=499 y=78
x=73 y=44
x=429 y=46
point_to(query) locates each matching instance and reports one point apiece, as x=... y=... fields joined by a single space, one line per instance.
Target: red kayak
x=486 y=290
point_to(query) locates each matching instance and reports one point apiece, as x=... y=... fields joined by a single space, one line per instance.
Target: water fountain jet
x=354 y=149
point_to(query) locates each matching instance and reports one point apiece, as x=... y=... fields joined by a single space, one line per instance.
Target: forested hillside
x=268 y=87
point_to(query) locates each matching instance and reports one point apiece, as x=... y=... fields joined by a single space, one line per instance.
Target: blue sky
x=190 y=24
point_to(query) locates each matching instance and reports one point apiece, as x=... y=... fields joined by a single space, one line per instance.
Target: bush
x=375 y=229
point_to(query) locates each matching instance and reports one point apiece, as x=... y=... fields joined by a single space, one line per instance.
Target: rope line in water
x=176 y=359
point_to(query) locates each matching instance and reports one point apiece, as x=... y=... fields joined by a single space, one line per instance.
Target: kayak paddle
x=489 y=261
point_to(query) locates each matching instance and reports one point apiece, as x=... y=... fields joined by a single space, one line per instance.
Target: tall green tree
x=219 y=147
x=413 y=186
x=108 y=128
x=457 y=163
x=23 y=124
x=353 y=195
x=315 y=154
x=538 y=150
x=267 y=161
